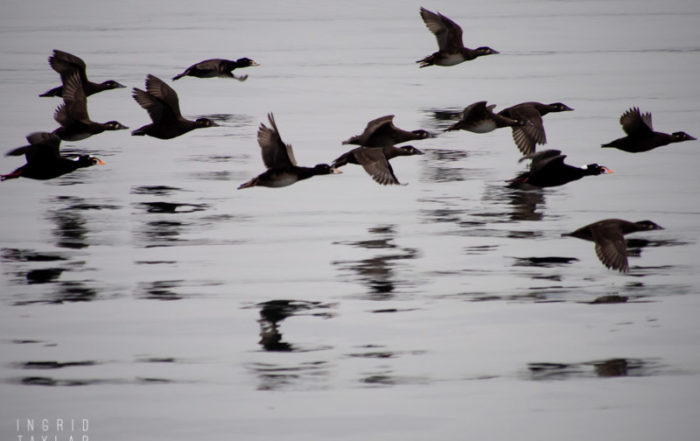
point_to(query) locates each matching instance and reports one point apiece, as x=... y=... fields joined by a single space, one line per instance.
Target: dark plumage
x=65 y=64
x=217 y=67
x=641 y=136
x=479 y=118
x=278 y=157
x=44 y=160
x=163 y=106
x=375 y=160
x=73 y=116
x=527 y=136
x=608 y=235
x=381 y=132
x=449 y=38
x=547 y=169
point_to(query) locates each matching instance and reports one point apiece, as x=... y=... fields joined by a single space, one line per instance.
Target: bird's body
x=451 y=50
x=65 y=64
x=479 y=118
x=548 y=169
x=278 y=157
x=73 y=116
x=163 y=106
x=608 y=235
x=526 y=137
x=381 y=132
x=641 y=136
x=217 y=67
x=44 y=160
x=375 y=161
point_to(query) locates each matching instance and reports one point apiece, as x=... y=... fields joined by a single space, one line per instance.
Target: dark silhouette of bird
x=449 y=38
x=163 y=106
x=73 y=116
x=527 y=136
x=548 y=169
x=641 y=136
x=375 y=161
x=608 y=235
x=381 y=132
x=278 y=157
x=479 y=118
x=65 y=64
x=217 y=67
x=44 y=160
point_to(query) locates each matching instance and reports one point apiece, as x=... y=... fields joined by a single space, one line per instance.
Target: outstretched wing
x=610 y=247
x=376 y=165
x=65 y=63
x=447 y=32
x=275 y=153
x=636 y=124
x=157 y=87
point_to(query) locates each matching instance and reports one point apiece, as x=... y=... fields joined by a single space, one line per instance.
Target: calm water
x=153 y=300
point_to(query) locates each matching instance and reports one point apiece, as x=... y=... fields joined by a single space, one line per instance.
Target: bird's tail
x=178 y=76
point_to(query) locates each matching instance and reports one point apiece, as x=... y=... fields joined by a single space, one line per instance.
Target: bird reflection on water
x=378 y=272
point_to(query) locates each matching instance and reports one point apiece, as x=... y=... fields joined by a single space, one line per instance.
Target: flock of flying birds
x=376 y=145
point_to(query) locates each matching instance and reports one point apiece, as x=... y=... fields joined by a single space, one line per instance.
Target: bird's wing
x=610 y=247
x=157 y=109
x=376 y=165
x=548 y=159
x=447 y=32
x=42 y=146
x=156 y=87
x=75 y=101
x=527 y=137
x=634 y=123
x=65 y=63
x=275 y=153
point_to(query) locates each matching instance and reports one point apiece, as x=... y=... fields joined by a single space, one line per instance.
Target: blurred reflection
x=378 y=272
x=442 y=118
x=305 y=375
x=613 y=367
x=71 y=227
x=274 y=311
x=160 y=290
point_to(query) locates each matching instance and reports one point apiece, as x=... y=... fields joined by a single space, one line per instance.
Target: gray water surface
x=151 y=298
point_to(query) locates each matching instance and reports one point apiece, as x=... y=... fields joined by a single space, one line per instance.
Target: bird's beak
x=120 y=86
x=419 y=152
x=692 y=138
x=569 y=108
x=255 y=63
x=336 y=171
x=607 y=171
x=98 y=161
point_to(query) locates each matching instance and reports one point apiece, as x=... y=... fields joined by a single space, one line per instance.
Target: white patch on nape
x=484 y=126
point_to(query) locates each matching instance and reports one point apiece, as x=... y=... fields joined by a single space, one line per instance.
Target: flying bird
x=278 y=157
x=641 y=136
x=44 y=160
x=608 y=235
x=163 y=106
x=449 y=38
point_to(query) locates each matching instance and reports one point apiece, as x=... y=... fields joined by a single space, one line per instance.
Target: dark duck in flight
x=608 y=235
x=73 y=116
x=217 y=67
x=381 y=132
x=44 y=160
x=449 y=38
x=162 y=104
x=548 y=169
x=479 y=118
x=65 y=63
x=641 y=136
x=278 y=157
x=527 y=136
x=375 y=161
